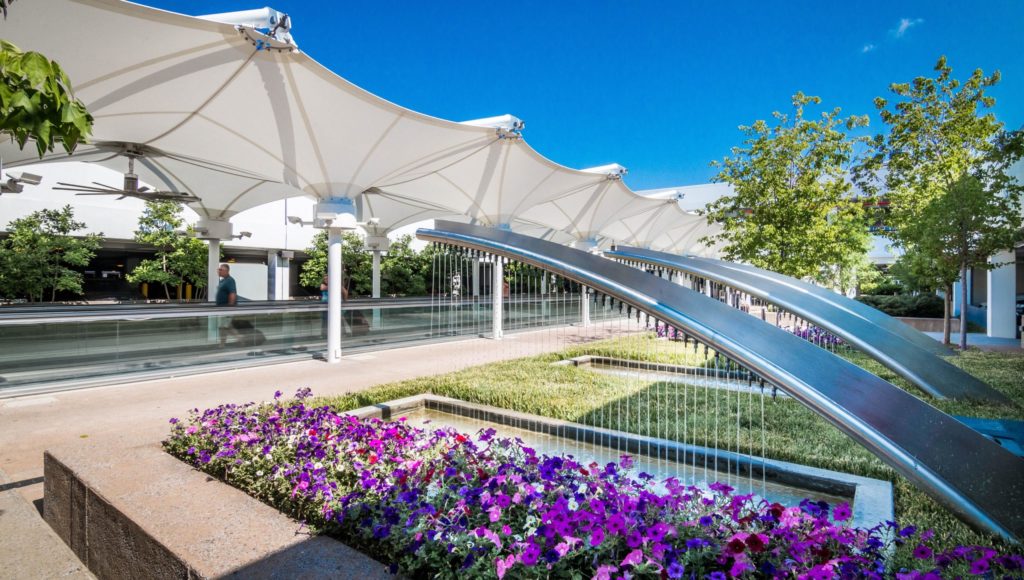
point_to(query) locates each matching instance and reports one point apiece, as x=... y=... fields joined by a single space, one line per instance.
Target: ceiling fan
x=131 y=187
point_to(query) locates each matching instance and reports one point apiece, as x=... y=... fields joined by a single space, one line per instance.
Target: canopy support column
x=544 y=296
x=375 y=292
x=497 y=298
x=212 y=263
x=334 y=322
x=278 y=276
x=584 y=306
x=376 y=273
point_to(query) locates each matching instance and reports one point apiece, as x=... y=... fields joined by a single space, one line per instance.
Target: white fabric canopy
x=214 y=115
x=188 y=88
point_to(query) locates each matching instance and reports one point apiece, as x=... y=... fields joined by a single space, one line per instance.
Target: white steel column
x=476 y=277
x=585 y=306
x=212 y=263
x=544 y=296
x=497 y=298
x=277 y=276
x=334 y=295
x=1002 y=296
x=376 y=273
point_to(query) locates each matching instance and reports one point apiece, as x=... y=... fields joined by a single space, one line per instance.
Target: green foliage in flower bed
x=792 y=432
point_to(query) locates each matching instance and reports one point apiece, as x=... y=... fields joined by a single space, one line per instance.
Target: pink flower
x=502 y=565
x=605 y=572
x=633 y=558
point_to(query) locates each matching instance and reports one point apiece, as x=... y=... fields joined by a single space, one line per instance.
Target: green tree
x=180 y=257
x=943 y=153
x=37 y=103
x=404 y=270
x=793 y=210
x=40 y=254
x=357 y=268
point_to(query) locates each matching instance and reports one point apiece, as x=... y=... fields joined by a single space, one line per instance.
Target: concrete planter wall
x=930 y=324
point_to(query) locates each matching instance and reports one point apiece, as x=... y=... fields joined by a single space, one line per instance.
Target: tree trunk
x=947 y=312
x=167 y=292
x=963 y=306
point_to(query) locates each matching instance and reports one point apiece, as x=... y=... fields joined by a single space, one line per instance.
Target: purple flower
x=922 y=552
x=530 y=555
x=842 y=512
x=676 y=570
x=979 y=566
x=616 y=524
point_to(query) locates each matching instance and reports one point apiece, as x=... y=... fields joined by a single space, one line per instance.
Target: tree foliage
x=404 y=271
x=180 y=257
x=37 y=103
x=793 y=211
x=944 y=166
x=40 y=254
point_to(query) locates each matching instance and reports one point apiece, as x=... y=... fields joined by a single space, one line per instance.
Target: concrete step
x=29 y=548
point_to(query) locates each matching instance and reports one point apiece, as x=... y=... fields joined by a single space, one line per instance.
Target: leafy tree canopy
x=404 y=271
x=180 y=257
x=40 y=254
x=944 y=166
x=793 y=211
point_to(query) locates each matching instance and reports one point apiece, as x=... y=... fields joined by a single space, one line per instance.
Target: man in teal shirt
x=227 y=295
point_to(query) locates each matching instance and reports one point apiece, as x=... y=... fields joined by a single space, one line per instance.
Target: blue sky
x=658 y=86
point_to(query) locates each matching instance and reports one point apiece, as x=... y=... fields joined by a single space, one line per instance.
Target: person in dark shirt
x=227 y=292
x=227 y=295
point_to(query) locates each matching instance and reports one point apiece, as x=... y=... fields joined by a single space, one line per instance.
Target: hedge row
x=922 y=305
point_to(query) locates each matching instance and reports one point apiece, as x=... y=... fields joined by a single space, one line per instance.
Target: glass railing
x=43 y=348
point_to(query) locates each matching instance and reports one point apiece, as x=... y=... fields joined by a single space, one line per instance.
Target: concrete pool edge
x=872 y=499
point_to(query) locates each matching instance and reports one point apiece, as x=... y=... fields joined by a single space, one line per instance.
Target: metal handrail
x=931 y=373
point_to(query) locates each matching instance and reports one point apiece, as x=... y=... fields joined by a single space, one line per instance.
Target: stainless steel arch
x=857 y=308
x=920 y=366
x=974 y=478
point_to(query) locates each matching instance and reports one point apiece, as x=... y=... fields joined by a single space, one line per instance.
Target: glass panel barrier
x=67 y=346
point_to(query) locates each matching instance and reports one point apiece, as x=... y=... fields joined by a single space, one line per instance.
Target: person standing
x=227 y=295
x=227 y=292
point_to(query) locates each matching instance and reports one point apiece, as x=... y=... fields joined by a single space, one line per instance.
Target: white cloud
x=905 y=25
x=868 y=48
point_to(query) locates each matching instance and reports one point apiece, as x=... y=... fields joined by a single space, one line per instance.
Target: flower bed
x=436 y=503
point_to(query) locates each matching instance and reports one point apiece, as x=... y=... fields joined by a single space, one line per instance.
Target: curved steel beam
x=973 y=477
x=839 y=301
x=923 y=368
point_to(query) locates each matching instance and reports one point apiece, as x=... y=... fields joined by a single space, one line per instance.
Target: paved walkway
x=983 y=341
x=31 y=424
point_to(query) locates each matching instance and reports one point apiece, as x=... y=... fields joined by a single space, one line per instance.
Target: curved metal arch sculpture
x=973 y=477
x=878 y=336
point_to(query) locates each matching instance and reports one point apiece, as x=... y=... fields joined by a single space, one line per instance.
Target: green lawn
x=706 y=416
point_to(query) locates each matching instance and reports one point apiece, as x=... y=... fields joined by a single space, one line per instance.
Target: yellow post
x=188 y=292
x=145 y=290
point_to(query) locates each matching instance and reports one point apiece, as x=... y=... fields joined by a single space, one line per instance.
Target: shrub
x=919 y=306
